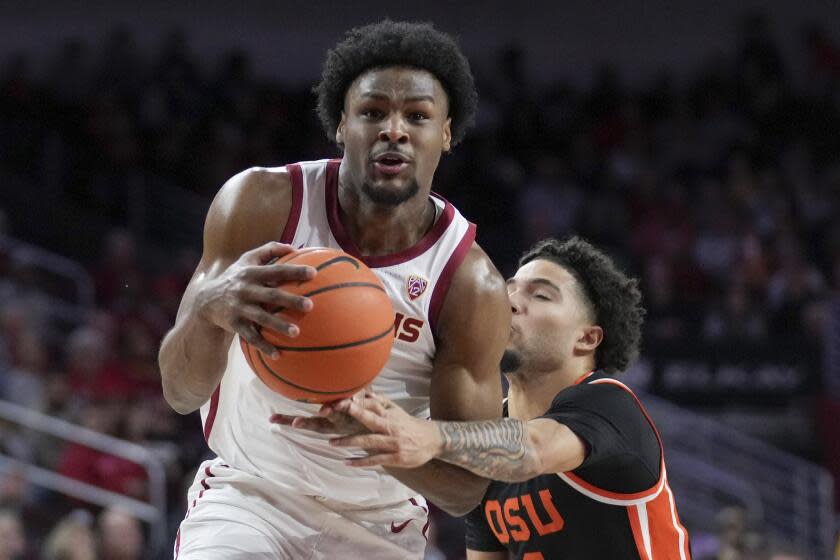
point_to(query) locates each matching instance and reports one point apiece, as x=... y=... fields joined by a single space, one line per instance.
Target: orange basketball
x=344 y=340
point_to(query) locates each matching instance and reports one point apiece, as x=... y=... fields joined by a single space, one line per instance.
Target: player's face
x=548 y=318
x=394 y=127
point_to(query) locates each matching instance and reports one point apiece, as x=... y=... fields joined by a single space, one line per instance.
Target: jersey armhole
x=445 y=279
x=296 y=177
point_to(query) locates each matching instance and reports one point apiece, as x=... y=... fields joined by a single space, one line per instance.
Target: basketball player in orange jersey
x=577 y=464
x=394 y=97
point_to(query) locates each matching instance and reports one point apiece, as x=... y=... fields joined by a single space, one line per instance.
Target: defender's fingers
x=379 y=459
x=369 y=419
x=367 y=441
x=373 y=405
x=341 y=405
x=282 y=419
x=320 y=425
x=382 y=400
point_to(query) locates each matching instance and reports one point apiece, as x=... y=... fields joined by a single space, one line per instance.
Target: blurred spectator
x=25 y=383
x=102 y=469
x=12 y=538
x=72 y=539
x=120 y=536
x=737 y=318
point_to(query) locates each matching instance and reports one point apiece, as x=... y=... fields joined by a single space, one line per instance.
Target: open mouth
x=390 y=164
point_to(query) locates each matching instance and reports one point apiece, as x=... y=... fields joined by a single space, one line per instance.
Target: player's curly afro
x=392 y=43
x=613 y=297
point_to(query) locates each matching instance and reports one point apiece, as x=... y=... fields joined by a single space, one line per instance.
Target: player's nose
x=515 y=303
x=394 y=131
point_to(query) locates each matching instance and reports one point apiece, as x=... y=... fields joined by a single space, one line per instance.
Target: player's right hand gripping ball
x=344 y=340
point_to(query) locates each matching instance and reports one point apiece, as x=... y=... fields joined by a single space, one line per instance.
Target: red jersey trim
x=657 y=530
x=211 y=414
x=446 y=275
x=296 y=176
x=637 y=516
x=208 y=474
x=378 y=261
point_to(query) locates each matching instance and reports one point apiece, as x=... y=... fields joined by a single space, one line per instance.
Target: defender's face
x=548 y=315
x=394 y=127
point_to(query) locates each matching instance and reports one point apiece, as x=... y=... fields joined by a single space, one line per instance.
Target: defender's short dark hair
x=390 y=43
x=614 y=298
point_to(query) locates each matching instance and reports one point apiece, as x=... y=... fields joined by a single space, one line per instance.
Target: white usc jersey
x=236 y=419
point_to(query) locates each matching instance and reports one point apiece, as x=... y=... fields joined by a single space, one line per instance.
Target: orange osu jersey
x=617 y=504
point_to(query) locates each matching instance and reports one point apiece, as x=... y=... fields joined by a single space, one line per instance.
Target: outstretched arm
x=507 y=449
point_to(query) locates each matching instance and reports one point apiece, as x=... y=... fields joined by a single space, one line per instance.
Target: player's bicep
x=482 y=555
x=473 y=330
x=557 y=447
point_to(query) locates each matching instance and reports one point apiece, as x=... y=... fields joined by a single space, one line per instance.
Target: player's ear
x=590 y=338
x=339 y=131
x=447 y=135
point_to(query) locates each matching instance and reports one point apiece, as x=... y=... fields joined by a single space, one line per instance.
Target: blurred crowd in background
x=722 y=193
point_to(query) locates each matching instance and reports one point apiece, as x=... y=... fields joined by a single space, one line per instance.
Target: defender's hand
x=328 y=421
x=397 y=439
x=237 y=300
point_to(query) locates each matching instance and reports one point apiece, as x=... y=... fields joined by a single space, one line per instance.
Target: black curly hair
x=397 y=43
x=613 y=297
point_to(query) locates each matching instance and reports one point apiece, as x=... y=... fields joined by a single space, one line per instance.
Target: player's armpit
x=482 y=555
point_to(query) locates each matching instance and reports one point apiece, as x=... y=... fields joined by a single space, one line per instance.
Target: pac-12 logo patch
x=416 y=285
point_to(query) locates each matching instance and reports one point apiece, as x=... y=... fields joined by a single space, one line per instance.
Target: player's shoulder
x=478 y=275
x=252 y=194
x=599 y=394
x=255 y=182
x=477 y=287
x=250 y=209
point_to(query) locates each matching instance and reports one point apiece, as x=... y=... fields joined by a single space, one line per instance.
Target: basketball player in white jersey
x=395 y=97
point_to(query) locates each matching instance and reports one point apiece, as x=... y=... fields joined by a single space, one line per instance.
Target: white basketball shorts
x=235 y=515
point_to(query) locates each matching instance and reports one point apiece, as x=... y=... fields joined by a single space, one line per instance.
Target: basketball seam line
x=390 y=329
x=344 y=285
x=301 y=387
x=333 y=287
x=336 y=260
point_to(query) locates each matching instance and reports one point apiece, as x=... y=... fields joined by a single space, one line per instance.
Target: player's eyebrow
x=541 y=281
x=383 y=96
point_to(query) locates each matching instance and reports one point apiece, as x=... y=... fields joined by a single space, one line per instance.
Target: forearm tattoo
x=495 y=449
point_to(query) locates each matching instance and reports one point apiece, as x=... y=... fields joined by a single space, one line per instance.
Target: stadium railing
x=154 y=513
x=64 y=284
x=711 y=466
